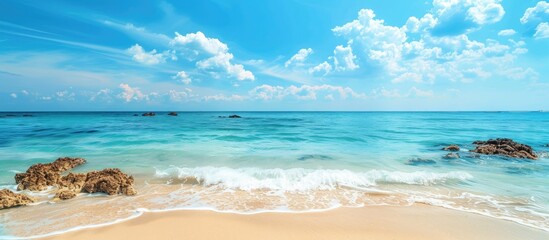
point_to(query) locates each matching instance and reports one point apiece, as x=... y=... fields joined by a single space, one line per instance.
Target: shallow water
x=282 y=161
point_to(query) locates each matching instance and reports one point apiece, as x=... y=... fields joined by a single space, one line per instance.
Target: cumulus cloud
x=324 y=67
x=130 y=93
x=183 y=77
x=102 y=94
x=536 y=14
x=424 y=58
x=303 y=92
x=395 y=93
x=13 y=95
x=219 y=56
x=459 y=16
x=24 y=92
x=506 y=32
x=148 y=58
x=299 y=57
x=344 y=59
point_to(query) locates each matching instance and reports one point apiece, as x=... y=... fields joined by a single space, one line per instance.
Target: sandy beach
x=379 y=222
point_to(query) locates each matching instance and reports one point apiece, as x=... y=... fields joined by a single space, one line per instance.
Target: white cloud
x=424 y=58
x=380 y=42
x=180 y=96
x=148 y=58
x=344 y=59
x=197 y=43
x=303 y=92
x=130 y=94
x=395 y=93
x=323 y=67
x=103 y=94
x=24 y=92
x=507 y=32
x=13 y=95
x=299 y=57
x=536 y=14
x=415 y=25
x=455 y=17
x=183 y=77
x=542 y=31
x=221 y=97
x=65 y=95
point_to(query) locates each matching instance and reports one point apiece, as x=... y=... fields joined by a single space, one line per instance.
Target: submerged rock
x=453 y=148
x=172 y=114
x=111 y=181
x=148 y=114
x=452 y=156
x=420 y=161
x=234 y=116
x=39 y=176
x=10 y=199
x=505 y=147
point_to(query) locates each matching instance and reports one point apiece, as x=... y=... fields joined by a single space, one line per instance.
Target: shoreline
x=375 y=222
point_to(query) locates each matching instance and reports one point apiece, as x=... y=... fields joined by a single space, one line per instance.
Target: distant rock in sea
x=135 y=114
x=505 y=147
x=453 y=148
x=10 y=199
x=172 y=114
x=27 y=115
x=230 y=116
x=148 y=114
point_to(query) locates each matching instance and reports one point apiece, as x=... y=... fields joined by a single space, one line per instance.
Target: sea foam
x=300 y=179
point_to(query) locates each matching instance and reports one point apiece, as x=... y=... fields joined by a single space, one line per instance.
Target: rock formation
x=234 y=116
x=453 y=148
x=111 y=181
x=172 y=114
x=10 y=199
x=148 y=114
x=39 y=176
x=505 y=147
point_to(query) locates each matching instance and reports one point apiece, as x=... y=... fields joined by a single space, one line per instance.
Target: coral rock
x=111 y=181
x=39 y=176
x=451 y=156
x=72 y=182
x=10 y=199
x=65 y=194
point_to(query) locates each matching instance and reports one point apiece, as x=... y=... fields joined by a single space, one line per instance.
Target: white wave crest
x=299 y=179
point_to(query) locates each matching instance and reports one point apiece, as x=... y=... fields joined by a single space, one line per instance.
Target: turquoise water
x=300 y=153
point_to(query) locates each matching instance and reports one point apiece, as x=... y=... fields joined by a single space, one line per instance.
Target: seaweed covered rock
x=39 y=176
x=505 y=147
x=172 y=114
x=453 y=148
x=10 y=199
x=148 y=114
x=111 y=181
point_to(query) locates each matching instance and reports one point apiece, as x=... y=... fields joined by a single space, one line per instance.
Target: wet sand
x=375 y=222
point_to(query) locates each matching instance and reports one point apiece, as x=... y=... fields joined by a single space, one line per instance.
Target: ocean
x=277 y=162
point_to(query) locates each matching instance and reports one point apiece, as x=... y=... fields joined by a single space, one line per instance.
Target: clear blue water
x=302 y=152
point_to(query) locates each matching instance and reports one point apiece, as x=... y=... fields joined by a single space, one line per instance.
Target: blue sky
x=274 y=55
